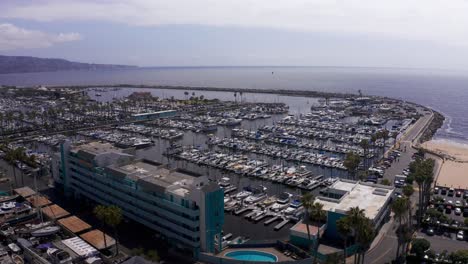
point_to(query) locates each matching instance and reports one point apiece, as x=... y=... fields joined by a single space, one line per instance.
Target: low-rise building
x=184 y=207
x=338 y=199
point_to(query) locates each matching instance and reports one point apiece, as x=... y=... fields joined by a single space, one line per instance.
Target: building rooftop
x=74 y=224
x=96 y=148
x=153 y=175
x=38 y=201
x=96 y=239
x=370 y=197
x=54 y=211
x=25 y=191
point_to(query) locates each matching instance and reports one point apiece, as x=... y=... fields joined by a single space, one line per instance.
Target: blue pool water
x=251 y=255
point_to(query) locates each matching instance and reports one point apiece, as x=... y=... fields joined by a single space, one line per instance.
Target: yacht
x=246 y=192
x=282 y=202
x=257 y=196
x=225 y=184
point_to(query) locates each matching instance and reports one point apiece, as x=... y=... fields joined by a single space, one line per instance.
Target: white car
x=458 y=211
x=461 y=235
x=457 y=203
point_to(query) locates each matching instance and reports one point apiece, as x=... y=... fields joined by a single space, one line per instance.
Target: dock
x=271 y=220
x=280 y=225
x=243 y=210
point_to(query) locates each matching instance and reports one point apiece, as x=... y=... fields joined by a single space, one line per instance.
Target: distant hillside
x=20 y=64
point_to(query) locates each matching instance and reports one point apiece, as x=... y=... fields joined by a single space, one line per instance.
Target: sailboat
x=46 y=231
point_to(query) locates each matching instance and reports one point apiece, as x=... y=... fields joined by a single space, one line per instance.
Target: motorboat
x=257 y=196
x=7 y=206
x=225 y=184
x=6 y=230
x=268 y=201
x=282 y=202
x=246 y=192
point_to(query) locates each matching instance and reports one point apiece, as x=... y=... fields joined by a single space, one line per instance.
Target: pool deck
x=274 y=251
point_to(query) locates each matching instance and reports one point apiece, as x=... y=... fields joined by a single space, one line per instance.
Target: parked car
x=436 y=190
x=465 y=194
x=444 y=191
x=448 y=209
x=458 y=211
x=451 y=192
x=461 y=235
x=458 y=193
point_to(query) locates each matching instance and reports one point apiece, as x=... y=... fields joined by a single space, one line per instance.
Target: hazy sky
x=396 y=33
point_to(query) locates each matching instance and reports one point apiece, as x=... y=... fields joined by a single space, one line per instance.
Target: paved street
x=383 y=250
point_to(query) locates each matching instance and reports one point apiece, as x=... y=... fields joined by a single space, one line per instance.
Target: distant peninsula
x=23 y=64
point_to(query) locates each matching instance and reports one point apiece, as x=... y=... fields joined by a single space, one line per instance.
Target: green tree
x=364 y=144
x=385 y=182
x=408 y=191
x=365 y=236
x=400 y=209
x=152 y=255
x=111 y=216
x=307 y=201
x=459 y=256
x=317 y=216
x=344 y=229
x=351 y=162
x=419 y=246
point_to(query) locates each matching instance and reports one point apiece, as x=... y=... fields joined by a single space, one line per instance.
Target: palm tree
x=384 y=134
x=307 y=201
x=344 y=229
x=235 y=97
x=186 y=95
x=355 y=217
x=351 y=163
x=422 y=172
x=400 y=209
x=365 y=237
x=408 y=191
x=240 y=93
x=111 y=216
x=317 y=215
x=364 y=144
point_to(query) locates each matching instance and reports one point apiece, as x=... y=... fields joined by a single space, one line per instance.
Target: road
x=383 y=249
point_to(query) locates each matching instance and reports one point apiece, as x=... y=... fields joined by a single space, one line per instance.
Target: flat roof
x=301 y=228
x=96 y=239
x=369 y=197
x=96 y=147
x=38 y=201
x=74 y=224
x=25 y=191
x=156 y=175
x=54 y=211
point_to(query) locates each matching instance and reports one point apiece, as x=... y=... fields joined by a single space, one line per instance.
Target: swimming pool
x=252 y=255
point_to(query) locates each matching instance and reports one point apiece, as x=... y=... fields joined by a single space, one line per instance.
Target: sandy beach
x=454 y=167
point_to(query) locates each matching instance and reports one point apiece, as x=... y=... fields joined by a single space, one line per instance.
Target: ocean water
x=444 y=91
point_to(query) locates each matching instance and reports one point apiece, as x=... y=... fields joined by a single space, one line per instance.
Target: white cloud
x=13 y=37
x=432 y=20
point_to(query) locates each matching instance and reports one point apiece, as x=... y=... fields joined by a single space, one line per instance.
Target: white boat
x=282 y=202
x=256 y=196
x=243 y=194
x=226 y=185
x=46 y=231
x=6 y=230
x=8 y=206
x=59 y=256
